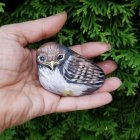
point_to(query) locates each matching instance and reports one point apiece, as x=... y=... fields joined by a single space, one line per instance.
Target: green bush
x=1 y=7
x=116 y=22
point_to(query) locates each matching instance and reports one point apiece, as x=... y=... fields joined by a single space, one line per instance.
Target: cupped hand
x=21 y=96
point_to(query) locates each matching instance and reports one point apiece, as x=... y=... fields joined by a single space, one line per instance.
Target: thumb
x=33 y=31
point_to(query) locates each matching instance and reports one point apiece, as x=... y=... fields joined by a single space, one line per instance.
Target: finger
x=83 y=102
x=110 y=85
x=108 y=66
x=33 y=31
x=91 y=49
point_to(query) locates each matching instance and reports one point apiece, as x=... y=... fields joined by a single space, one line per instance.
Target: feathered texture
x=80 y=70
x=73 y=75
x=50 y=50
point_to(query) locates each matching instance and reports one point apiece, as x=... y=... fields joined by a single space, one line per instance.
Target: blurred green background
x=112 y=21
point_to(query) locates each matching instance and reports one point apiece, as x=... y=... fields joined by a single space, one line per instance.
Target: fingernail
x=109 y=46
x=64 y=12
x=120 y=82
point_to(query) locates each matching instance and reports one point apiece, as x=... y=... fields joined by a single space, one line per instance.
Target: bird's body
x=64 y=72
x=56 y=83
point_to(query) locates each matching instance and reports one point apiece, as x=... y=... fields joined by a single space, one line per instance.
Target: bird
x=64 y=72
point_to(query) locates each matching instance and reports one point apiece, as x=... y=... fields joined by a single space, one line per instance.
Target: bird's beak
x=52 y=64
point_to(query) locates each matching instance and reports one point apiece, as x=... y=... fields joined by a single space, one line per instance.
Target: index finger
x=91 y=49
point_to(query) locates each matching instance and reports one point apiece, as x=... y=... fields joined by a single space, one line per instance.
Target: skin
x=21 y=96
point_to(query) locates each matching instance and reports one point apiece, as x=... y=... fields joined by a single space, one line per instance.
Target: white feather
x=54 y=82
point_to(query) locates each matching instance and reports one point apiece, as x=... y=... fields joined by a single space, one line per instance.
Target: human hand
x=21 y=95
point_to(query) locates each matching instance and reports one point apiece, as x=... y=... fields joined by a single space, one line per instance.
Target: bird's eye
x=60 y=57
x=42 y=58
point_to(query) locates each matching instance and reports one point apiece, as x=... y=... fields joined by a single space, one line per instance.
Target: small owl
x=66 y=73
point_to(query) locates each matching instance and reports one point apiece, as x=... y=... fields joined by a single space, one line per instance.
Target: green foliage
x=1 y=7
x=108 y=21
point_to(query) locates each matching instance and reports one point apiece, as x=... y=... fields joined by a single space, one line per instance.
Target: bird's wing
x=82 y=71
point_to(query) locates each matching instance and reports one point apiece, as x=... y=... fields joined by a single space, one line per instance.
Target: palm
x=22 y=71
x=16 y=62
x=21 y=95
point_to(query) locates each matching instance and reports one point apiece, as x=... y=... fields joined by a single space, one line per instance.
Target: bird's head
x=51 y=54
